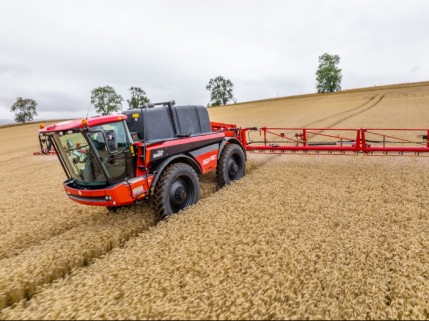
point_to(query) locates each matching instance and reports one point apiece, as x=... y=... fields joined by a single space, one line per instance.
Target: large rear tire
x=177 y=188
x=231 y=165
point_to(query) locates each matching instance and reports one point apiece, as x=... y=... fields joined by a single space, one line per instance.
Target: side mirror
x=112 y=142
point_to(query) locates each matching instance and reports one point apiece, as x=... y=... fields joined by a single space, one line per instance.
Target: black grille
x=95 y=199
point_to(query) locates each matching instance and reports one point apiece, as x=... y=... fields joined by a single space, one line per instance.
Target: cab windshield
x=96 y=157
x=111 y=145
x=79 y=158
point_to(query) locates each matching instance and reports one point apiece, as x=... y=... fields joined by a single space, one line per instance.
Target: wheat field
x=298 y=237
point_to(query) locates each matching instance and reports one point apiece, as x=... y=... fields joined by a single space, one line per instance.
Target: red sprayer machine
x=158 y=150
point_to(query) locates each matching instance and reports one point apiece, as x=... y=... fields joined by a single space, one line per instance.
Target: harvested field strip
x=287 y=250
x=23 y=274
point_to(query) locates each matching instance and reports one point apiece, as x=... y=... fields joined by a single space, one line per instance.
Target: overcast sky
x=56 y=52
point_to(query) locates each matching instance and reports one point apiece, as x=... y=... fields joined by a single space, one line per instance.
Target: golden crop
x=298 y=237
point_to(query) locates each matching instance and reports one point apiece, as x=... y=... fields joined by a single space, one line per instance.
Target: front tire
x=231 y=165
x=177 y=188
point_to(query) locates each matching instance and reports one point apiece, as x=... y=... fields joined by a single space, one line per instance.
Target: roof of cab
x=80 y=123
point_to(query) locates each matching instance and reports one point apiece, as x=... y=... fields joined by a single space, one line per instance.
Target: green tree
x=220 y=91
x=106 y=100
x=328 y=75
x=138 y=98
x=24 y=110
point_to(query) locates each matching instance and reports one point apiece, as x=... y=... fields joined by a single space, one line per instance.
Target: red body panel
x=119 y=194
x=185 y=142
x=208 y=161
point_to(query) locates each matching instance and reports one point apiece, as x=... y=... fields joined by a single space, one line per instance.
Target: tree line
x=107 y=101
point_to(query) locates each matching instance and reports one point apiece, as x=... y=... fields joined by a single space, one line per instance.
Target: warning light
x=42 y=125
x=84 y=122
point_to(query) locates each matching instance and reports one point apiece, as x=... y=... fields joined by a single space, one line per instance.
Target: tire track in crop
x=22 y=275
x=35 y=207
x=375 y=103
x=340 y=113
x=43 y=263
x=372 y=101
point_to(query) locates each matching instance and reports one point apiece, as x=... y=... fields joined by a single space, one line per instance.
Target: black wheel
x=231 y=165
x=177 y=188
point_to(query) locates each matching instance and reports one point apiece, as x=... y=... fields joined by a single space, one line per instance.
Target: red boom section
x=337 y=141
x=331 y=141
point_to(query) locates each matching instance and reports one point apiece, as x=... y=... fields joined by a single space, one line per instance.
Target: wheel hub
x=233 y=168
x=180 y=194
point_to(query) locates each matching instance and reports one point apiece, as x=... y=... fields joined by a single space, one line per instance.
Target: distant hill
x=341 y=92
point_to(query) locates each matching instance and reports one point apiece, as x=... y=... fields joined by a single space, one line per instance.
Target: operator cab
x=95 y=156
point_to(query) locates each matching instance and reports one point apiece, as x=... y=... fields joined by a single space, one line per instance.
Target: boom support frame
x=334 y=141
